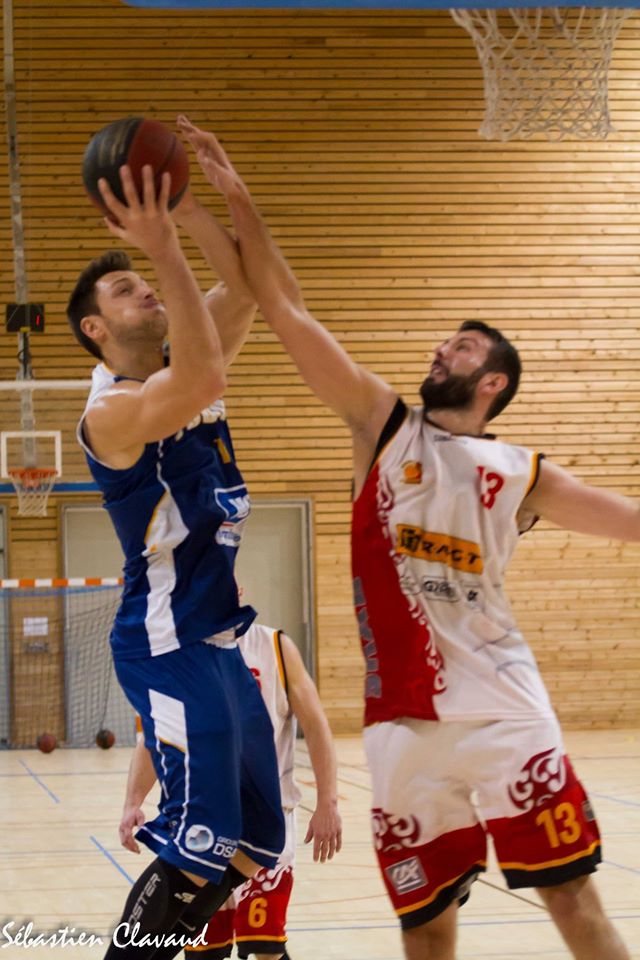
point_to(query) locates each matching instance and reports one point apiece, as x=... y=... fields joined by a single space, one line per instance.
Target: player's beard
x=455 y=392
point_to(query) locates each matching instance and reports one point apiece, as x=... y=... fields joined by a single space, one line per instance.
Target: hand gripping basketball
x=145 y=223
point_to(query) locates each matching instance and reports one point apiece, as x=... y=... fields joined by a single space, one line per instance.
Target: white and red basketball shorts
x=440 y=787
x=255 y=916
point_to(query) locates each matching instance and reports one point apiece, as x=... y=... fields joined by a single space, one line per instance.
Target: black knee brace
x=196 y=916
x=158 y=898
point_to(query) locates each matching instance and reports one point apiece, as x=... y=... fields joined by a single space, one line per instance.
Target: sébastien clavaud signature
x=16 y=934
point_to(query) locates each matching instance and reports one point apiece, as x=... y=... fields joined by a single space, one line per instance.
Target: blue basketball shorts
x=211 y=739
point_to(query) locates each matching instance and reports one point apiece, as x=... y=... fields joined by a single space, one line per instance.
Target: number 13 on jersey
x=491 y=484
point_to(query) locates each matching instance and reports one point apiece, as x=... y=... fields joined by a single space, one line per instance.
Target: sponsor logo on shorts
x=542 y=776
x=406 y=876
x=588 y=811
x=224 y=847
x=199 y=838
x=458 y=554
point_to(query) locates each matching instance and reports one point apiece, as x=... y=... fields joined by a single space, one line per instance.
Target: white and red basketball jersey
x=261 y=649
x=433 y=530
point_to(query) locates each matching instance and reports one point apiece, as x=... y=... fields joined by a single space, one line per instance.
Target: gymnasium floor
x=61 y=864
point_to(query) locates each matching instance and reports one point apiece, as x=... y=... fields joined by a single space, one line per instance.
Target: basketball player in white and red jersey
x=255 y=915
x=454 y=701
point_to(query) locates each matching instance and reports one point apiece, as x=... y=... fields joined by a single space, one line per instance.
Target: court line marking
x=39 y=781
x=112 y=860
x=606 y=796
x=620 y=866
x=72 y=773
x=462 y=923
x=512 y=893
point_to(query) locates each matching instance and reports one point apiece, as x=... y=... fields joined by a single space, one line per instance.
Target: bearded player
x=455 y=704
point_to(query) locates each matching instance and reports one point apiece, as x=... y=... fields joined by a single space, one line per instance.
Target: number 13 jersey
x=433 y=529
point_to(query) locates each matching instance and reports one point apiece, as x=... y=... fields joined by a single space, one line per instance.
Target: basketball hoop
x=33 y=486
x=545 y=69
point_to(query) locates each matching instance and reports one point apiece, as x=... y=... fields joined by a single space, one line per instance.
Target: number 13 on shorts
x=560 y=824
x=554 y=842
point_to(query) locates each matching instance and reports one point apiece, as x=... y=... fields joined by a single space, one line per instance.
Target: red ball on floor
x=105 y=739
x=46 y=742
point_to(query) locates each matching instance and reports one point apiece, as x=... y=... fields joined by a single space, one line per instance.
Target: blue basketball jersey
x=178 y=513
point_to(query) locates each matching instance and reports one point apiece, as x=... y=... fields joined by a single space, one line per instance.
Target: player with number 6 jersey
x=254 y=917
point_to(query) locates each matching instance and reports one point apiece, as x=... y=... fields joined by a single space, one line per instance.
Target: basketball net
x=33 y=486
x=545 y=69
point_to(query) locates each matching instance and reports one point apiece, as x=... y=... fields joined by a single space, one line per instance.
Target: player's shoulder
x=105 y=383
x=258 y=632
x=102 y=380
x=260 y=641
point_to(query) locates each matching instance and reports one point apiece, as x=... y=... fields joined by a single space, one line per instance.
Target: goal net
x=546 y=69
x=57 y=674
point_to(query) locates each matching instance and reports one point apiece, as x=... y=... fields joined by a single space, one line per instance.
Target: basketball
x=47 y=742
x=134 y=141
x=105 y=739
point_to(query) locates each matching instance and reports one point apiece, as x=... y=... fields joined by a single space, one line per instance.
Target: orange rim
x=29 y=478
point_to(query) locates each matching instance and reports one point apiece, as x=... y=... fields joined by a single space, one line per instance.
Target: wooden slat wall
x=357 y=134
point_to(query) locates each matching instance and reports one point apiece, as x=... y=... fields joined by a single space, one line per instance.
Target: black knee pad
x=158 y=898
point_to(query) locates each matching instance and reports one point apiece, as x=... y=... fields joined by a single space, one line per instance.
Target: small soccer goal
x=60 y=686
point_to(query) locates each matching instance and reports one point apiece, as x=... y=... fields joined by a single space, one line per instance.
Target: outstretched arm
x=142 y=777
x=566 y=501
x=325 y=826
x=231 y=303
x=363 y=400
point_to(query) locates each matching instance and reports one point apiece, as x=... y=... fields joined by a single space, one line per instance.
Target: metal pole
x=27 y=418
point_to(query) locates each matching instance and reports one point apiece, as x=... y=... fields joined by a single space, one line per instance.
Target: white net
x=57 y=672
x=545 y=69
x=33 y=486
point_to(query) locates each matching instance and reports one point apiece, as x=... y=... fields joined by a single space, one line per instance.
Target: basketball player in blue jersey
x=158 y=446
x=461 y=737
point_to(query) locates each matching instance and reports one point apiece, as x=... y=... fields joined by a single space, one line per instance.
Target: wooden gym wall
x=357 y=134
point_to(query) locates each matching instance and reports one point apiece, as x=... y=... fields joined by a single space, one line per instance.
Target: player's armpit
x=564 y=500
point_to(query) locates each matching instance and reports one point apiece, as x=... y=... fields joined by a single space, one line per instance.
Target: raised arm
x=325 y=826
x=231 y=303
x=141 y=779
x=360 y=398
x=133 y=414
x=566 y=501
